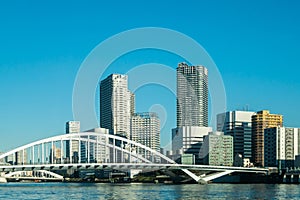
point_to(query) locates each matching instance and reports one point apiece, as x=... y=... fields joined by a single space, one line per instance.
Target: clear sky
x=255 y=44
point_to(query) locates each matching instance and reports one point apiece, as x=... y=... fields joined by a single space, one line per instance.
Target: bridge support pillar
x=202 y=181
x=206 y=178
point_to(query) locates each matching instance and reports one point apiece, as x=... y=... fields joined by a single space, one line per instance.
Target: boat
x=3 y=180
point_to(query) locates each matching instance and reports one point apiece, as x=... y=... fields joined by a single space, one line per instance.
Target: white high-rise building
x=238 y=125
x=192 y=95
x=145 y=129
x=115 y=104
x=281 y=146
x=72 y=149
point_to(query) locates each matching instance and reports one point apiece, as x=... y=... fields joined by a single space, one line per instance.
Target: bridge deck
x=143 y=166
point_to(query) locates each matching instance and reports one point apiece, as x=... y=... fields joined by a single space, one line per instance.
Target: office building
x=115 y=104
x=281 y=146
x=262 y=120
x=217 y=149
x=145 y=129
x=188 y=140
x=192 y=95
x=238 y=125
x=72 y=148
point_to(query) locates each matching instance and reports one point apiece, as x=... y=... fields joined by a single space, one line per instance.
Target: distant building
x=98 y=153
x=192 y=95
x=188 y=140
x=72 y=148
x=18 y=158
x=56 y=153
x=115 y=104
x=262 y=120
x=73 y=127
x=238 y=124
x=145 y=129
x=217 y=149
x=281 y=146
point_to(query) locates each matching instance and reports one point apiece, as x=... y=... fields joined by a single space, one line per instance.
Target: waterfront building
x=262 y=120
x=115 y=104
x=188 y=140
x=281 y=146
x=192 y=95
x=217 y=149
x=72 y=148
x=145 y=129
x=238 y=124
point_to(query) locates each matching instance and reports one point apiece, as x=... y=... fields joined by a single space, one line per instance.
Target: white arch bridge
x=93 y=150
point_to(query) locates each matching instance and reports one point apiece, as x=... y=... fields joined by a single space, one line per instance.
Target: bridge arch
x=91 y=147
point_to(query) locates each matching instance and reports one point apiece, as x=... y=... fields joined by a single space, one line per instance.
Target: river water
x=72 y=191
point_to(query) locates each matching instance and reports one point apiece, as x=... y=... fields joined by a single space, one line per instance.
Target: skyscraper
x=262 y=120
x=192 y=112
x=192 y=95
x=145 y=129
x=72 y=149
x=238 y=124
x=115 y=104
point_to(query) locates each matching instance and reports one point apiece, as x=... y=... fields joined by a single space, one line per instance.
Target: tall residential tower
x=192 y=112
x=115 y=104
x=192 y=95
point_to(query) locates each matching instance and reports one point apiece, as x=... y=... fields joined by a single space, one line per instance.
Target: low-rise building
x=188 y=140
x=281 y=146
x=217 y=149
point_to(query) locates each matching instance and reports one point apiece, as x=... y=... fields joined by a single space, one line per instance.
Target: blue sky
x=255 y=44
